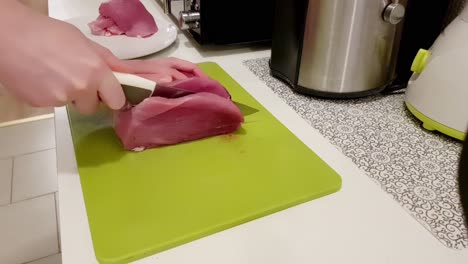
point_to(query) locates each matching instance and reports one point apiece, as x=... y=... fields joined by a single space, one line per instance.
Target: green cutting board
x=139 y=204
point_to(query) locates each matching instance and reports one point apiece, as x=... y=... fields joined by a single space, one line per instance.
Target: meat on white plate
x=160 y=121
x=123 y=17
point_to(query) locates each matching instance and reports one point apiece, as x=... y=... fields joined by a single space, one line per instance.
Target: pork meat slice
x=129 y=17
x=159 y=121
x=192 y=84
x=100 y=26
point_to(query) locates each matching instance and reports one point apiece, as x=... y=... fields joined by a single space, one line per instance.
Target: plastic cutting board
x=139 y=204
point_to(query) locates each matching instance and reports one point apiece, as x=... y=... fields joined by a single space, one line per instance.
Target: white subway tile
x=28 y=230
x=34 y=175
x=27 y=137
x=5 y=181
x=54 y=259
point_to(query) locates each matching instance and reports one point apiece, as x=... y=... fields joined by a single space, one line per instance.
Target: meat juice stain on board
x=245 y=110
x=228 y=137
x=233 y=136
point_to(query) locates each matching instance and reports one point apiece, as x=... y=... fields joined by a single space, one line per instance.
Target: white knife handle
x=135 y=80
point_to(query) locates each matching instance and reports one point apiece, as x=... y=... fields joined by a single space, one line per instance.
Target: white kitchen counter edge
x=359 y=224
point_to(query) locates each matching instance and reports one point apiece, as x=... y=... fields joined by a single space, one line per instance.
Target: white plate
x=125 y=47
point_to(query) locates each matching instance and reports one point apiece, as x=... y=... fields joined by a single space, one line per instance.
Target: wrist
x=8 y=8
x=12 y=18
x=15 y=19
x=13 y=13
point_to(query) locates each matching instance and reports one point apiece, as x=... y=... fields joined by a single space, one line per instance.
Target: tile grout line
x=57 y=207
x=42 y=123
x=32 y=198
x=11 y=179
x=27 y=120
x=34 y=152
x=27 y=153
x=48 y=256
x=57 y=219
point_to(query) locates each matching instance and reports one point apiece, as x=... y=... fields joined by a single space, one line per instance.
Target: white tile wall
x=34 y=175
x=27 y=138
x=6 y=166
x=28 y=230
x=54 y=259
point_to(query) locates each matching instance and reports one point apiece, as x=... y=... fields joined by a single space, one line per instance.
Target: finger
x=87 y=104
x=111 y=60
x=177 y=75
x=137 y=66
x=55 y=97
x=200 y=73
x=153 y=65
x=100 y=49
x=43 y=102
x=195 y=73
x=180 y=64
x=110 y=91
x=157 y=77
x=186 y=66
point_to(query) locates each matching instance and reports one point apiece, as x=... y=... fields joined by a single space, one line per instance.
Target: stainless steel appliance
x=223 y=22
x=336 y=48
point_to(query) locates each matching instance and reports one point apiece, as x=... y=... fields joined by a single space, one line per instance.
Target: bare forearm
x=14 y=20
x=10 y=9
x=47 y=62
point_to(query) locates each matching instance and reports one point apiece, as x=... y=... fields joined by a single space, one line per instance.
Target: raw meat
x=129 y=17
x=159 y=121
x=193 y=84
x=104 y=26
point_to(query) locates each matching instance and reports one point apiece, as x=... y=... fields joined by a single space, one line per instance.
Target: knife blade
x=137 y=89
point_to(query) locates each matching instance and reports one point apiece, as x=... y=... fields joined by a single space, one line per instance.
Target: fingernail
x=126 y=106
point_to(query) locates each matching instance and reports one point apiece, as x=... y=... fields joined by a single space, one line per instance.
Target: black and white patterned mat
x=418 y=168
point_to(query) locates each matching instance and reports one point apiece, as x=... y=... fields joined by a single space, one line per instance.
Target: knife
x=137 y=89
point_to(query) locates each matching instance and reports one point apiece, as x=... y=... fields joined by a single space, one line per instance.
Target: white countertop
x=359 y=224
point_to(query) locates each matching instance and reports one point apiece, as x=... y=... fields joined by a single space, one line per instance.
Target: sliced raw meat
x=129 y=17
x=159 y=121
x=114 y=30
x=101 y=25
x=193 y=84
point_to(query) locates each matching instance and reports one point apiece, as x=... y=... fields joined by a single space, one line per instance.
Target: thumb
x=110 y=91
x=109 y=58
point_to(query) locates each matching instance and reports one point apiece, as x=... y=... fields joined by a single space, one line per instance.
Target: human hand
x=160 y=69
x=46 y=62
